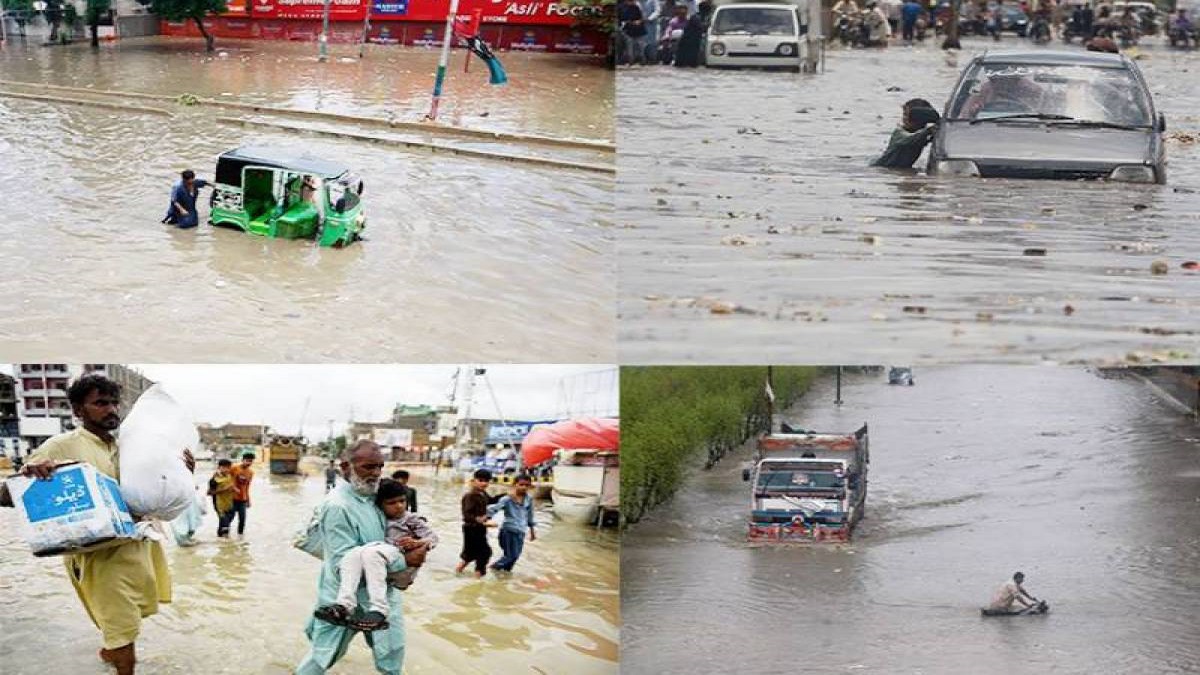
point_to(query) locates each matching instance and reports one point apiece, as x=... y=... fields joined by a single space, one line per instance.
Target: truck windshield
x=754 y=21
x=787 y=480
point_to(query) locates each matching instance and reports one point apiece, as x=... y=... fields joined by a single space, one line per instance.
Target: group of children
x=409 y=536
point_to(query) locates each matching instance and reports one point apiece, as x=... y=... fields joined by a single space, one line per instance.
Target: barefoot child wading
x=475 y=524
x=518 y=517
x=407 y=535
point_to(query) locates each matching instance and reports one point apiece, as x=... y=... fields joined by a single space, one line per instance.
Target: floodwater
x=241 y=606
x=748 y=212
x=1087 y=484
x=464 y=255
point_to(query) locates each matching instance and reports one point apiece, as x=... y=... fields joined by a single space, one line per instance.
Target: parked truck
x=807 y=486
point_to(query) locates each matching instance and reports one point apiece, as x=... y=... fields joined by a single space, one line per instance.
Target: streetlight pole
x=323 y=55
x=838 y=397
x=362 y=46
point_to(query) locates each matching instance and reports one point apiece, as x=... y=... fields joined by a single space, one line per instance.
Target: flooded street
x=461 y=251
x=1085 y=483
x=749 y=213
x=241 y=606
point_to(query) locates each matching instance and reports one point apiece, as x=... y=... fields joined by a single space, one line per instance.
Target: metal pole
x=362 y=46
x=443 y=61
x=838 y=400
x=323 y=54
x=3 y=26
x=770 y=400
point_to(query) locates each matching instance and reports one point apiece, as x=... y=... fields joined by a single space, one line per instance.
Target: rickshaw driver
x=182 y=210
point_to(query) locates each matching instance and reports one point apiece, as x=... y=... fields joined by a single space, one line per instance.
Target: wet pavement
x=464 y=255
x=748 y=212
x=1088 y=484
x=241 y=606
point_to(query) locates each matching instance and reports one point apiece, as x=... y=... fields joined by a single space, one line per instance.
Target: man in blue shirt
x=518 y=516
x=182 y=210
x=909 y=13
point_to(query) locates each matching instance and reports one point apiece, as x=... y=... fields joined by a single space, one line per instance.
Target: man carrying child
x=406 y=535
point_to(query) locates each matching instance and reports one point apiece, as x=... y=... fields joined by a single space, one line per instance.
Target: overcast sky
x=276 y=394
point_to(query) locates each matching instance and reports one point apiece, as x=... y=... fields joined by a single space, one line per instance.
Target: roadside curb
x=427 y=127
x=432 y=147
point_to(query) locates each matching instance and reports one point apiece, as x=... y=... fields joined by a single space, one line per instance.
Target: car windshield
x=787 y=480
x=753 y=21
x=1068 y=94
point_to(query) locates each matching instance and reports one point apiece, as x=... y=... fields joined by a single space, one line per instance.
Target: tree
x=54 y=17
x=951 y=41
x=182 y=10
x=95 y=10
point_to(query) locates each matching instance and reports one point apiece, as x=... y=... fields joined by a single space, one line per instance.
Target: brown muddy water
x=464 y=255
x=240 y=606
x=748 y=212
x=1087 y=484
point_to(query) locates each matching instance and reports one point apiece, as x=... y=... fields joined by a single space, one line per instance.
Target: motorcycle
x=1072 y=30
x=1040 y=31
x=1182 y=37
x=667 y=46
x=844 y=29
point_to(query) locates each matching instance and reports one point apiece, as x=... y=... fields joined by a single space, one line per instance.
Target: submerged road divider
x=432 y=147
x=426 y=127
x=84 y=101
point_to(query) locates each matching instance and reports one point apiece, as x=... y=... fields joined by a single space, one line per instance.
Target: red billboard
x=538 y=12
x=339 y=10
x=532 y=12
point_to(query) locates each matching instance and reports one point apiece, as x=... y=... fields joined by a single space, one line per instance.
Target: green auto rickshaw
x=275 y=192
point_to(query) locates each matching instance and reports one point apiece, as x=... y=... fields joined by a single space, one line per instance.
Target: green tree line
x=672 y=416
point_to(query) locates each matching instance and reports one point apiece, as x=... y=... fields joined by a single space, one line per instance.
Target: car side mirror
x=1162 y=122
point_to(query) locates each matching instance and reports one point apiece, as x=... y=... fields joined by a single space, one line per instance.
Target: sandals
x=370 y=622
x=340 y=616
x=334 y=614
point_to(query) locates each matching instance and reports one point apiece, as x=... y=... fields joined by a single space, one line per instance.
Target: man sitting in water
x=407 y=535
x=1011 y=592
x=182 y=210
x=917 y=125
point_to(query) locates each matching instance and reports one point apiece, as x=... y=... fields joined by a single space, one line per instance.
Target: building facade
x=40 y=395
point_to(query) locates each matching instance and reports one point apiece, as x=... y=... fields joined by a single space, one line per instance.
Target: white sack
x=79 y=509
x=154 y=480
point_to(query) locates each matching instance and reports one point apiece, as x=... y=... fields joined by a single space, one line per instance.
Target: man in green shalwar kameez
x=349 y=518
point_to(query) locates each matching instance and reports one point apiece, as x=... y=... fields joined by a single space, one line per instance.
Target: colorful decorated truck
x=807 y=486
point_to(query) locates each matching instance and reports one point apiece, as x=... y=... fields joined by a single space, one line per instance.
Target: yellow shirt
x=120 y=585
x=224 y=493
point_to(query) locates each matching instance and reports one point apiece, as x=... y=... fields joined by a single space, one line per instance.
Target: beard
x=363 y=486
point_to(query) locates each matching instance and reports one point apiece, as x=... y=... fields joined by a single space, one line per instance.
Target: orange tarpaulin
x=589 y=433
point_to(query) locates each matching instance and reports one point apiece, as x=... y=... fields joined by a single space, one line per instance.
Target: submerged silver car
x=1039 y=114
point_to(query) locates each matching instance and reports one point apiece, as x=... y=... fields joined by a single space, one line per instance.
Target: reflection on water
x=448 y=237
x=771 y=207
x=1087 y=485
x=240 y=606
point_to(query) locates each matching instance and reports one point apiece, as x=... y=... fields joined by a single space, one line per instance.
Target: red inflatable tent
x=589 y=433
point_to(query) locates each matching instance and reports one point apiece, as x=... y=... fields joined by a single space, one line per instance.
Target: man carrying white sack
x=118 y=586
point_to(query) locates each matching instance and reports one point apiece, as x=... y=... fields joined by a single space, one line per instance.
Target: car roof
x=1055 y=58
x=758 y=5
x=284 y=158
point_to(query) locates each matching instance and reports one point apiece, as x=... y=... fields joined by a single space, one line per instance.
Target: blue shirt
x=517 y=516
x=911 y=11
x=180 y=195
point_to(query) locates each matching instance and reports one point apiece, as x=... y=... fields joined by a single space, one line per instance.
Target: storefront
x=508 y=25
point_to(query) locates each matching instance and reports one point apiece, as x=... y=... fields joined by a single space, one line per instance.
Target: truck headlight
x=717 y=49
x=1132 y=174
x=786 y=49
x=956 y=167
